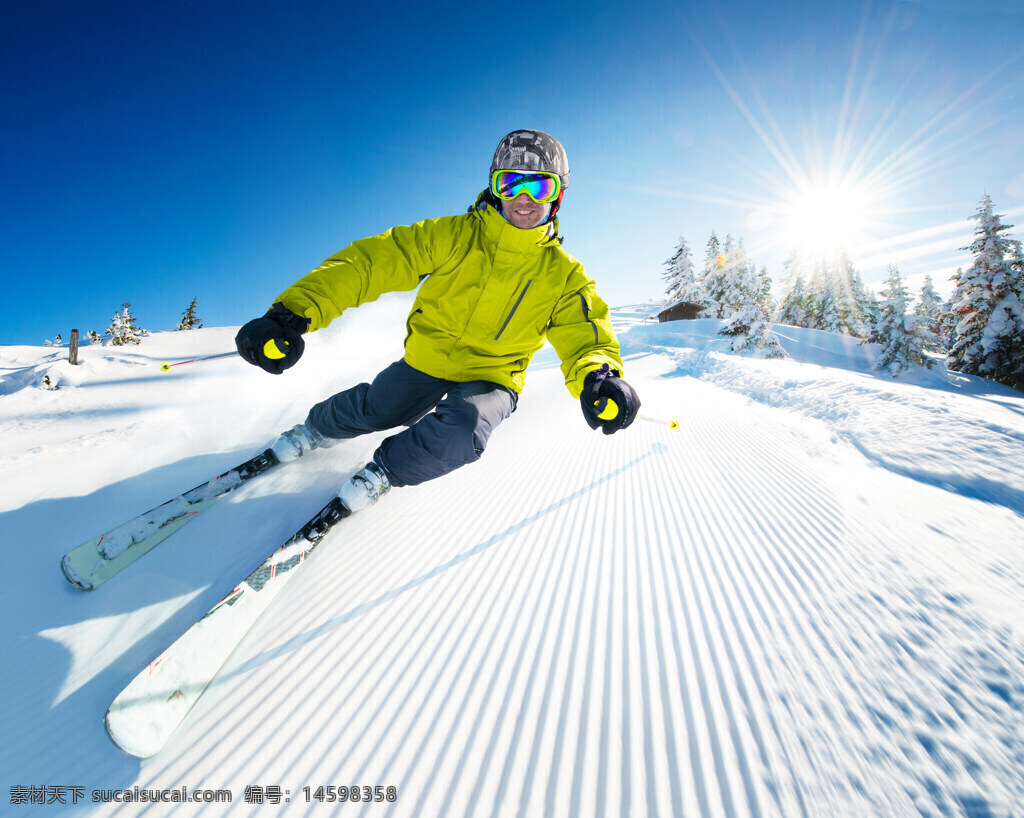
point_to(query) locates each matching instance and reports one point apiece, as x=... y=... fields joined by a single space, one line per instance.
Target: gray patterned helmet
x=532 y=150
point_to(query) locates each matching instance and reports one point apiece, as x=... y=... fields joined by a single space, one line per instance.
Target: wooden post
x=73 y=351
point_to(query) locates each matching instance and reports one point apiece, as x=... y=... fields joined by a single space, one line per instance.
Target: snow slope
x=804 y=602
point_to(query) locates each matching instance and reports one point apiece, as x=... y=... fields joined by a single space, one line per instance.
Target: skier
x=495 y=284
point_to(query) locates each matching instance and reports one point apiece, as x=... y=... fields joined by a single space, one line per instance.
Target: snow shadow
x=68 y=652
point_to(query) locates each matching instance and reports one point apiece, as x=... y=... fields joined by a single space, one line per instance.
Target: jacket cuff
x=287 y=318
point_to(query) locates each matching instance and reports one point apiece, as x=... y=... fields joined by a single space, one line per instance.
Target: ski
x=94 y=562
x=145 y=714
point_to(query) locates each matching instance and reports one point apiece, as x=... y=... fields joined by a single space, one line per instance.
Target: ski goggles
x=539 y=186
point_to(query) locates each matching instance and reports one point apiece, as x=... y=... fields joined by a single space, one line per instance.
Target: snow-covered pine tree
x=793 y=306
x=713 y=284
x=833 y=300
x=732 y=282
x=948 y=320
x=189 y=318
x=989 y=304
x=94 y=337
x=1007 y=326
x=902 y=337
x=830 y=319
x=751 y=333
x=960 y=310
x=822 y=304
x=763 y=292
x=929 y=303
x=850 y=294
x=746 y=297
x=680 y=277
x=740 y=276
x=712 y=281
x=871 y=311
x=929 y=308
x=813 y=296
x=123 y=329
x=1016 y=346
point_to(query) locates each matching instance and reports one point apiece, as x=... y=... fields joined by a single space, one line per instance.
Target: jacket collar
x=500 y=230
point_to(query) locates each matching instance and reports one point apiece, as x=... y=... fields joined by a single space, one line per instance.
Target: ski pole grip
x=609 y=410
x=276 y=349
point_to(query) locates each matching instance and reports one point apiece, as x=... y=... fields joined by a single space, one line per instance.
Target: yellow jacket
x=491 y=294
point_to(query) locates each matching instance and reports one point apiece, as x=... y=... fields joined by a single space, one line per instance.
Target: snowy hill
x=804 y=602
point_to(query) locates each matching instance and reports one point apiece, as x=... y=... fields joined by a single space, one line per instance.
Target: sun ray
x=820 y=188
x=779 y=150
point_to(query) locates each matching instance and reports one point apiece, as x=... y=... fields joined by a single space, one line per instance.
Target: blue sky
x=157 y=151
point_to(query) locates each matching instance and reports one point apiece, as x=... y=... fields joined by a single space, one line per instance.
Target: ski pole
x=672 y=424
x=611 y=409
x=166 y=367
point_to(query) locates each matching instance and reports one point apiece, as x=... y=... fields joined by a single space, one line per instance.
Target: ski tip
x=72 y=576
x=128 y=744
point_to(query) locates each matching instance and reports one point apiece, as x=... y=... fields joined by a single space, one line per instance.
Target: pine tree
x=989 y=304
x=930 y=302
x=823 y=301
x=744 y=296
x=189 y=319
x=680 y=278
x=793 y=306
x=929 y=308
x=751 y=333
x=731 y=281
x=711 y=273
x=763 y=293
x=851 y=295
x=123 y=328
x=745 y=284
x=871 y=312
x=902 y=337
x=1016 y=345
x=815 y=296
x=834 y=300
x=947 y=321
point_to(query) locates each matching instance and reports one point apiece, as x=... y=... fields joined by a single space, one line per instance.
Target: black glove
x=608 y=401
x=273 y=342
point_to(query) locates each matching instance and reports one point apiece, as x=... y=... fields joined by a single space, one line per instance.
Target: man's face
x=524 y=213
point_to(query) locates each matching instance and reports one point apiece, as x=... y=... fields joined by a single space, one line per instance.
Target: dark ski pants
x=436 y=442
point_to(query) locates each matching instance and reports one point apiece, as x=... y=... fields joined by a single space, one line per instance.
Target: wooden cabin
x=680 y=311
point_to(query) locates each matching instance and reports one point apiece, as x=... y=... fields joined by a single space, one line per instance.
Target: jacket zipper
x=514 y=308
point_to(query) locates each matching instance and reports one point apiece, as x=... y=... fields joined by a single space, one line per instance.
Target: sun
x=822 y=219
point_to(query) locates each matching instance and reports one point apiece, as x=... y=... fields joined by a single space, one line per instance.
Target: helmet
x=532 y=150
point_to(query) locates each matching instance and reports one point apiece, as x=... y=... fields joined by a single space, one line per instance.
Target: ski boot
x=365 y=487
x=295 y=442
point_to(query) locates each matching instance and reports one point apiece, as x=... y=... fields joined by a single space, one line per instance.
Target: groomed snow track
x=657 y=623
